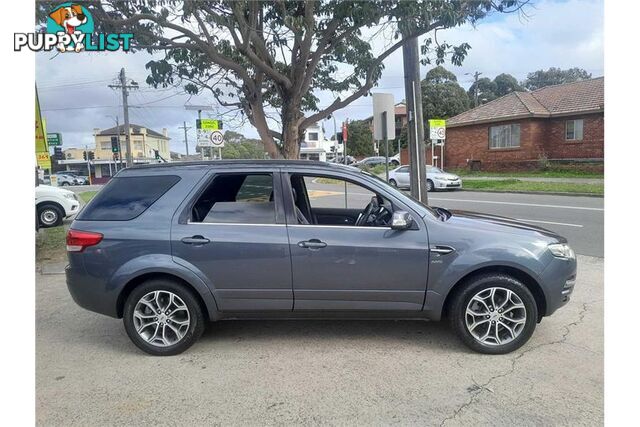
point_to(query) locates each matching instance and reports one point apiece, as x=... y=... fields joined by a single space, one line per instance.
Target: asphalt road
x=579 y=219
x=319 y=372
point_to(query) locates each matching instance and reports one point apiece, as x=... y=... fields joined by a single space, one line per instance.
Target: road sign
x=204 y=138
x=54 y=139
x=437 y=129
x=217 y=139
x=383 y=103
x=209 y=124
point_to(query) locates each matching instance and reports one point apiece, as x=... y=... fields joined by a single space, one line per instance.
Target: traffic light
x=157 y=154
x=339 y=137
x=91 y=155
x=114 y=144
x=84 y=155
x=116 y=157
x=57 y=153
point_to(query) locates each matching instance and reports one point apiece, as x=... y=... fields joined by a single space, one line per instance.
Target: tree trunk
x=291 y=141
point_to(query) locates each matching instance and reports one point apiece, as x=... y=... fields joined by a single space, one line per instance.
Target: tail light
x=78 y=240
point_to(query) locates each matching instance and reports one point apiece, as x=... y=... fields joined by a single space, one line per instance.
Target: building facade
x=144 y=142
x=316 y=146
x=521 y=130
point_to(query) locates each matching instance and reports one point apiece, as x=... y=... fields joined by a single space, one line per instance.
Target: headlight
x=71 y=196
x=562 y=250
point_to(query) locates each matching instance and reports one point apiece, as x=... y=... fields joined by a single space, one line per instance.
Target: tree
x=554 y=76
x=442 y=96
x=506 y=83
x=360 y=138
x=486 y=91
x=266 y=59
x=245 y=149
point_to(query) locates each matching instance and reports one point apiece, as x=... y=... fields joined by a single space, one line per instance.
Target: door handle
x=312 y=244
x=442 y=250
x=195 y=240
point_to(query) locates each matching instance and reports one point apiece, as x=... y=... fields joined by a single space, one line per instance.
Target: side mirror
x=401 y=220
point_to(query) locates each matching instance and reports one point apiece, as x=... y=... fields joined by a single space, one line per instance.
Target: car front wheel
x=494 y=314
x=393 y=182
x=429 y=185
x=163 y=318
x=49 y=216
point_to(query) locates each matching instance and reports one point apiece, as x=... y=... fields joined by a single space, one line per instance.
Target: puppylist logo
x=70 y=28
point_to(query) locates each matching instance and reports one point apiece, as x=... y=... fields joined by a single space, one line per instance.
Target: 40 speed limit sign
x=217 y=139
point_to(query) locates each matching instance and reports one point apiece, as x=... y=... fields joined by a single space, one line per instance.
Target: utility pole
x=415 y=125
x=119 y=145
x=125 y=105
x=475 y=86
x=186 y=142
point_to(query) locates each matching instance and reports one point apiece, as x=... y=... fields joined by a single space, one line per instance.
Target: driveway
x=319 y=372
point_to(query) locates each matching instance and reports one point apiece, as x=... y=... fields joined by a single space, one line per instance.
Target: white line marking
x=518 y=204
x=549 y=222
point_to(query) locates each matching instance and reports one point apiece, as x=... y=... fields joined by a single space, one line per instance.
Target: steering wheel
x=364 y=217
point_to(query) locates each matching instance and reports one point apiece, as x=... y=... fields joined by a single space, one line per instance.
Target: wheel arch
x=529 y=281
x=51 y=202
x=138 y=280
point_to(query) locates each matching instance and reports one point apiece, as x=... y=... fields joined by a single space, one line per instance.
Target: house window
x=312 y=136
x=573 y=130
x=504 y=136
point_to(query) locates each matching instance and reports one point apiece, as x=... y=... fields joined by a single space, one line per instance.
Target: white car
x=54 y=204
x=437 y=179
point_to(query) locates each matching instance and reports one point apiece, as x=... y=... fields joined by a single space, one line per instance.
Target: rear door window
x=126 y=198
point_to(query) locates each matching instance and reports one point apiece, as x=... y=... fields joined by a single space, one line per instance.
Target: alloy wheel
x=161 y=318
x=495 y=316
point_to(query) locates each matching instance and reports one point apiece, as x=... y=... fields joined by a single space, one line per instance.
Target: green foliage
x=442 y=96
x=506 y=83
x=360 y=142
x=554 y=76
x=487 y=89
x=247 y=149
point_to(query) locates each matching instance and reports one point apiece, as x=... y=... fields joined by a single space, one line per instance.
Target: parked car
x=71 y=178
x=340 y=159
x=437 y=179
x=395 y=160
x=168 y=247
x=54 y=204
x=371 y=162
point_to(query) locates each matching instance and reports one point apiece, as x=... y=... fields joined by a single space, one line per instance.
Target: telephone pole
x=125 y=105
x=186 y=142
x=475 y=86
x=415 y=125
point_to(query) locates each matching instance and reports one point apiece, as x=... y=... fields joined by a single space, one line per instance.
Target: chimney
x=165 y=132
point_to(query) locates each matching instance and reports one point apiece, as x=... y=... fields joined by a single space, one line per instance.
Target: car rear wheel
x=163 y=318
x=393 y=182
x=494 y=314
x=429 y=185
x=49 y=216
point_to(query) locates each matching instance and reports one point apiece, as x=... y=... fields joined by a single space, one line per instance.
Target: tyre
x=50 y=216
x=429 y=185
x=393 y=183
x=163 y=318
x=64 y=184
x=493 y=314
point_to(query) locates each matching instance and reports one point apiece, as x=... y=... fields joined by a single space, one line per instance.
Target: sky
x=75 y=97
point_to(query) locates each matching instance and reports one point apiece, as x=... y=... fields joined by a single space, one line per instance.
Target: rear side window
x=125 y=198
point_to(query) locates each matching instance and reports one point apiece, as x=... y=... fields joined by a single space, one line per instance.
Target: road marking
x=518 y=204
x=549 y=222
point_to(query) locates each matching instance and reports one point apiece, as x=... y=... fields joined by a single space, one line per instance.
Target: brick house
x=562 y=123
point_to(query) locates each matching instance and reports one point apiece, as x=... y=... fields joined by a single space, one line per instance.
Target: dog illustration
x=69 y=18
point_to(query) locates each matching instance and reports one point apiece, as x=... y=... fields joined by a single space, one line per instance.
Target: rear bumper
x=87 y=293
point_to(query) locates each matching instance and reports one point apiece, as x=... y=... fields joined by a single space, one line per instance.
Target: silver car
x=437 y=179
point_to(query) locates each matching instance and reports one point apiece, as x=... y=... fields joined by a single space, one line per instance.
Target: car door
x=232 y=231
x=347 y=267
x=402 y=177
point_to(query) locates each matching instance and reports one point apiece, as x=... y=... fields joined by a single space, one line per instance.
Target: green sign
x=54 y=139
x=209 y=124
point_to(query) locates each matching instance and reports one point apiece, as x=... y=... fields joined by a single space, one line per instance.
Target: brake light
x=78 y=240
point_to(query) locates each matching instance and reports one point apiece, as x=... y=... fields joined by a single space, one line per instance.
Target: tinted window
x=126 y=198
x=237 y=198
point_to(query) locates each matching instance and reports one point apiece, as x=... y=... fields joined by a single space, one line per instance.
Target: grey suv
x=169 y=247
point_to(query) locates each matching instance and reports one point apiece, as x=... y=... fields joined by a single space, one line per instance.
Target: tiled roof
x=569 y=98
x=134 y=129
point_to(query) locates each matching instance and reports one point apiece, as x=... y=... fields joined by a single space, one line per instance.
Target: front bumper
x=446 y=184
x=74 y=208
x=559 y=280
